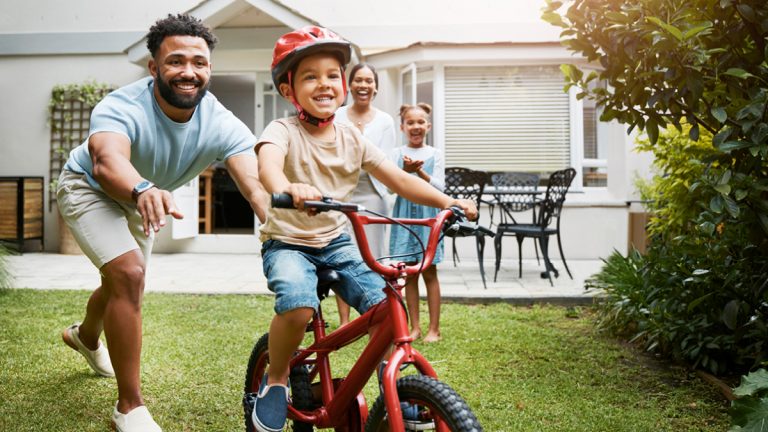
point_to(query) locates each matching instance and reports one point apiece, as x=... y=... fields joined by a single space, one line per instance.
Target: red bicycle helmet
x=294 y=46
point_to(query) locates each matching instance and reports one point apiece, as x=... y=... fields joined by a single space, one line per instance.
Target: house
x=490 y=69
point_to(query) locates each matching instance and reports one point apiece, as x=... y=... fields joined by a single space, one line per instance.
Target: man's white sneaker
x=98 y=359
x=137 y=420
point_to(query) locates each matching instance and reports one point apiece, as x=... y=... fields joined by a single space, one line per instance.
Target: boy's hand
x=468 y=206
x=411 y=165
x=302 y=192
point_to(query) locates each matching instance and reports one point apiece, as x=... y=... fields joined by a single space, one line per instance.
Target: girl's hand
x=468 y=206
x=303 y=192
x=411 y=165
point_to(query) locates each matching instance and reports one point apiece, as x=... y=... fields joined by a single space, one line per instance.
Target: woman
x=379 y=128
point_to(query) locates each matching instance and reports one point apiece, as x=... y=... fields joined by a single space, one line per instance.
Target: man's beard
x=177 y=100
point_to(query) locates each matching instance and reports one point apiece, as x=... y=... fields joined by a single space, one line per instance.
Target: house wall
x=27 y=85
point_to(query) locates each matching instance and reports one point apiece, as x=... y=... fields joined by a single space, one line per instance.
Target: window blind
x=506 y=119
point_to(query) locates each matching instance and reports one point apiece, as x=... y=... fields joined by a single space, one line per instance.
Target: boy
x=302 y=156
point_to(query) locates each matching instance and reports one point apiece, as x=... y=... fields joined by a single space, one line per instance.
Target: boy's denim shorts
x=291 y=272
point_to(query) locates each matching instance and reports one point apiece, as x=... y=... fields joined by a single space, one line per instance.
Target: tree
x=665 y=61
x=684 y=71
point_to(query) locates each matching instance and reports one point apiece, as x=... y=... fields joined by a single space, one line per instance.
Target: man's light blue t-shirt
x=167 y=153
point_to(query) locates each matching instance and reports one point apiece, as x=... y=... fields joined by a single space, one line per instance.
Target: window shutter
x=506 y=119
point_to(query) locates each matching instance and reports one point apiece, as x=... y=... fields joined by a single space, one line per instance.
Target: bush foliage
x=691 y=74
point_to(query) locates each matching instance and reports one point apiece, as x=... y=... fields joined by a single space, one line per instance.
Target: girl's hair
x=359 y=66
x=421 y=105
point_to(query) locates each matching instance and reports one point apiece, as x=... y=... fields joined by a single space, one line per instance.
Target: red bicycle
x=339 y=402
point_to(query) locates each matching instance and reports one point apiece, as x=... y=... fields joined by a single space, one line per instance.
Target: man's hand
x=468 y=206
x=153 y=206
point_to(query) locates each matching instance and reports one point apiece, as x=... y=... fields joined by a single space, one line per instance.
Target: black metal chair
x=515 y=192
x=547 y=213
x=464 y=183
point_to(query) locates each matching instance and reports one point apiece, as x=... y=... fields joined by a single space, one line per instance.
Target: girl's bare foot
x=432 y=337
x=416 y=333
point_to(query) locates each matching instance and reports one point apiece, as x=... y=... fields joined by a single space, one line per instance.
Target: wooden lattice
x=70 y=116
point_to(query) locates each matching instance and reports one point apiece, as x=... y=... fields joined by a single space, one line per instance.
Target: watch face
x=143 y=185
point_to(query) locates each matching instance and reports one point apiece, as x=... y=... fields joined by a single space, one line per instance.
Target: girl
x=419 y=159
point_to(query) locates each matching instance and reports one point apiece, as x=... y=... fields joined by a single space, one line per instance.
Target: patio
x=242 y=274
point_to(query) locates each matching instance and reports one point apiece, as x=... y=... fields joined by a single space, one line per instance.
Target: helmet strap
x=307 y=117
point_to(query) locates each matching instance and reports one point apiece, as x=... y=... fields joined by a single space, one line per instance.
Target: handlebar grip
x=282 y=200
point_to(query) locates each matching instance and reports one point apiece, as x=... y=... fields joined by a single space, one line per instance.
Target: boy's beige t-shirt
x=332 y=167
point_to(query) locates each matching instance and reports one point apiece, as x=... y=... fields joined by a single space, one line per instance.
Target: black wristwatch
x=140 y=188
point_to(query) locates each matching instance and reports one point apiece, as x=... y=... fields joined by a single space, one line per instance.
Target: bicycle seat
x=326 y=279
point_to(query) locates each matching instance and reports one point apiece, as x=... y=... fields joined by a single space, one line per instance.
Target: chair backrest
x=515 y=182
x=552 y=205
x=464 y=183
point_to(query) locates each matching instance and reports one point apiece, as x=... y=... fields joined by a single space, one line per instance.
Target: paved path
x=242 y=274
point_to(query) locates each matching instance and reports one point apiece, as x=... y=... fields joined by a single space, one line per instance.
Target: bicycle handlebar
x=453 y=222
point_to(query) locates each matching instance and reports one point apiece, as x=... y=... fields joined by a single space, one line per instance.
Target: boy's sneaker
x=270 y=407
x=97 y=359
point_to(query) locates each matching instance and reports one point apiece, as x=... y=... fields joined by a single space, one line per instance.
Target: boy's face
x=317 y=86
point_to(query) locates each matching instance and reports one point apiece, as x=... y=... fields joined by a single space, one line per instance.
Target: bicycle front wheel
x=429 y=402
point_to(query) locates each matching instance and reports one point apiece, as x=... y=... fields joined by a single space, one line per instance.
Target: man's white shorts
x=103 y=227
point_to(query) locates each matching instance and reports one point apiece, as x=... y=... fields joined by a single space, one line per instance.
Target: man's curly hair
x=178 y=25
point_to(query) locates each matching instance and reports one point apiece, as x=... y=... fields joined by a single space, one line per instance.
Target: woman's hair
x=421 y=105
x=178 y=25
x=359 y=66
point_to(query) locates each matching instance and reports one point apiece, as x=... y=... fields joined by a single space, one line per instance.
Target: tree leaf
x=752 y=383
x=719 y=114
x=750 y=414
x=723 y=189
x=738 y=73
x=716 y=204
x=696 y=30
x=674 y=31
x=652 y=129
x=733 y=145
x=730 y=315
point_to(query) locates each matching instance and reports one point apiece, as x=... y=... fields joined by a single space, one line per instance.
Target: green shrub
x=750 y=411
x=700 y=294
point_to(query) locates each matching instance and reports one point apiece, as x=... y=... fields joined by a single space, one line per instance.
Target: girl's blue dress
x=402 y=242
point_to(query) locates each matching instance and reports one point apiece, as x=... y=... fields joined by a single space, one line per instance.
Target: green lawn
x=520 y=369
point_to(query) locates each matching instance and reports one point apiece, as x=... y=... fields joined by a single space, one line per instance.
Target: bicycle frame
x=390 y=324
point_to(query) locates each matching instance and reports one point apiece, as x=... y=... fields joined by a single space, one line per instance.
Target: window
x=594 y=163
x=507 y=118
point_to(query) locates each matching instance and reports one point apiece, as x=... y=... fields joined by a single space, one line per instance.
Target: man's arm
x=111 y=156
x=245 y=172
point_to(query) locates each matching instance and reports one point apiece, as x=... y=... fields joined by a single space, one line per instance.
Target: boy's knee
x=298 y=317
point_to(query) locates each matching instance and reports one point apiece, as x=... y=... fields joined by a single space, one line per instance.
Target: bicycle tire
x=439 y=398
x=301 y=389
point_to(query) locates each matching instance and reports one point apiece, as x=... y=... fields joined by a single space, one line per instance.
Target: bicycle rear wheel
x=435 y=401
x=301 y=391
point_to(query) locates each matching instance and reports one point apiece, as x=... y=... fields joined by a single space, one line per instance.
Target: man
x=146 y=139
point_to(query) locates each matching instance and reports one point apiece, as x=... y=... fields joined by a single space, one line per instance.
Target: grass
x=520 y=369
